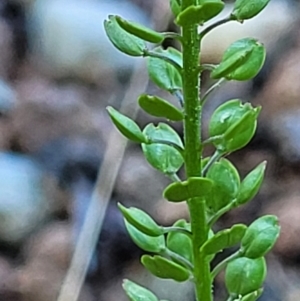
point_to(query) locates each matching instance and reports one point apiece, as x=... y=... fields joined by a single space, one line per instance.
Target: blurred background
x=58 y=72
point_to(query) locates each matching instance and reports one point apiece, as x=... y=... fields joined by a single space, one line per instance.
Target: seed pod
x=165 y=158
x=251 y=184
x=123 y=40
x=136 y=292
x=260 y=236
x=244 y=275
x=141 y=220
x=236 y=121
x=163 y=73
x=200 y=13
x=140 y=31
x=247 y=9
x=226 y=183
x=224 y=239
x=180 y=243
x=193 y=187
x=145 y=242
x=164 y=268
x=126 y=126
x=159 y=107
x=241 y=61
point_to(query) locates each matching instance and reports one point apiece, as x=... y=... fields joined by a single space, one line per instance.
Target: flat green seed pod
x=193 y=187
x=140 y=31
x=247 y=9
x=122 y=40
x=159 y=107
x=244 y=275
x=126 y=126
x=137 y=292
x=141 y=220
x=164 y=268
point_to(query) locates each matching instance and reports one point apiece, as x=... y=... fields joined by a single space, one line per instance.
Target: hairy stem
x=193 y=148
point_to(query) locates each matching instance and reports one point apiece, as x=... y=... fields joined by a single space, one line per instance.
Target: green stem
x=211 y=89
x=215 y=157
x=224 y=263
x=180 y=259
x=149 y=53
x=172 y=35
x=174 y=177
x=193 y=150
x=213 y=139
x=178 y=229
x=222 y=211
x=214 y=25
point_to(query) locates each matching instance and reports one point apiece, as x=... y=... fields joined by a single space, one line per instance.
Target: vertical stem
x=192 y=138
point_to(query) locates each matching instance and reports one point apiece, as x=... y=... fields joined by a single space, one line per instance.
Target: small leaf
x=241 y=61
x=193 y=187
x=236 y=122
x=260 y=236
x=164 y=268
x=200 y=13
x=251 y=184
x=226 y=184
x=140 y=31
x=253 y=296
x=163 y=157
x=159 y=107
x=244 y=275
x=126 y=126
x=163 y=73
x=224 y=239
x=141 y=220
x=136 y=292
x=123 y=40
x=175 y=7
x=181 y=243
x=145 y=242
x=247 y=9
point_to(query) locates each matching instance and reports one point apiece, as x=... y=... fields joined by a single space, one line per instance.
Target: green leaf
x=140 y=31
x=126 y=126
x=164 y=268
x=200 y=13
x=181 y=243
x=141 y=221
x=159 y=107
x=236 y=122
x=241 y=61
x=247 y=9
x=175 y=7
x=163 y=157
x=163 y=73
x=260 y=236
x=226 y=184
x=253 y=296
x=244 y=275
x=136 y=292
x=224 y=239
x=145 y=242
x=123 y=40
x=193 y=187
x=251 y=184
